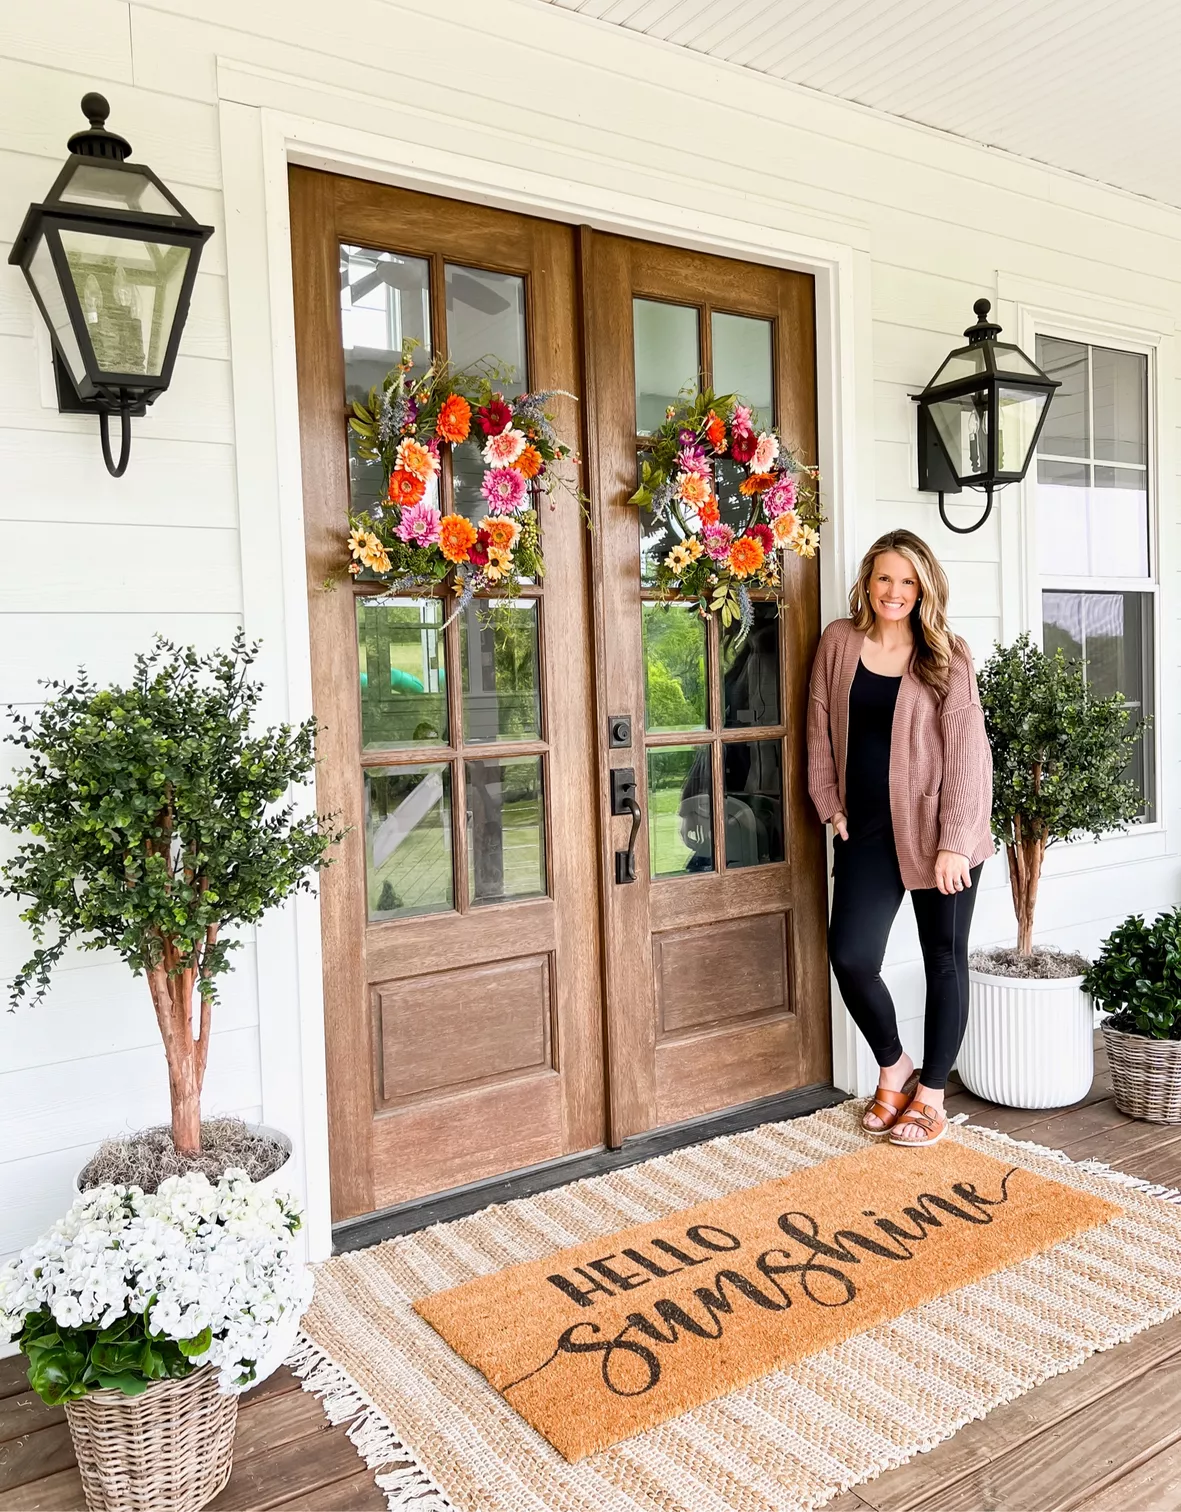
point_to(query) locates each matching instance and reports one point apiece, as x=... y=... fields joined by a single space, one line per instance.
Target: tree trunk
x=1026 y=853
x=172 y=997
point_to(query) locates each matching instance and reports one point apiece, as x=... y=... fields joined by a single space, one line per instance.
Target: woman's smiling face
x=893 y=587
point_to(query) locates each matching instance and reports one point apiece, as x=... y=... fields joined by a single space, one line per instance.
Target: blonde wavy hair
x=933 y=641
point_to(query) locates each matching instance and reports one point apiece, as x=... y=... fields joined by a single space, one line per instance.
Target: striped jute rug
x=445 y=1441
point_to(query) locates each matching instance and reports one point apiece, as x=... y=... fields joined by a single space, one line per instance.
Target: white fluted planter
x=1029 y=1044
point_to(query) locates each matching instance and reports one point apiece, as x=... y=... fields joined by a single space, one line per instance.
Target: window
x=1094 y=522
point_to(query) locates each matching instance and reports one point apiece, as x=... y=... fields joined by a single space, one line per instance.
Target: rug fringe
x=1090 y=1166
x=407 y=1486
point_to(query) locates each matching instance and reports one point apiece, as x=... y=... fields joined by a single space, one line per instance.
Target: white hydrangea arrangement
x=130 y=1288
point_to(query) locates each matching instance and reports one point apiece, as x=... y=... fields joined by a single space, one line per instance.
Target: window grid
x=1090 y=585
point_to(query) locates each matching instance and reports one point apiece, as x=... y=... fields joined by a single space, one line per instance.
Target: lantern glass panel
x=128 y=290
x=962 y=424
x=1011 y=359
x=968 y=362
x=115 y=189
x=44 y=279
x=1018 y=414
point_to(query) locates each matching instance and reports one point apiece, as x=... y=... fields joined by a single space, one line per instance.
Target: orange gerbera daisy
x=756 y=483
x=457 y=536
x=415 y=458
x=502 y=532
x=709 y=513
x=406 y=487
x=746 y=556
x=715 y=432
x=530 y=462
x=692 y=488
x=455 y=419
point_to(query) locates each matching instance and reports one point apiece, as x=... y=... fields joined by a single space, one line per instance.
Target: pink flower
x=717 y=540
x=780 y=497
x=503 y=450
x=504 y=489
x=762 y=534
x=740 y=421
x=419 y=525
x=765 y=453
x=692 y=459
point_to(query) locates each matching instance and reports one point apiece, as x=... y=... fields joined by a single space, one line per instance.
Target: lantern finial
x=984 y=329
x=98 y=142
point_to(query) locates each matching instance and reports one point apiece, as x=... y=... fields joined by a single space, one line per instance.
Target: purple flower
x=504 y=489
x=686 y=437
x=780 y=497
x=419 y=525
x=692 y=459
x=717 y=540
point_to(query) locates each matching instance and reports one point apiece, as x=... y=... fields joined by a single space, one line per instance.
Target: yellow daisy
x=694 y=547
x=805 y=541
x=678 y=558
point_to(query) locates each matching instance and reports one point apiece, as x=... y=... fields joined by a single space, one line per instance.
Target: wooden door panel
x=729 y=1067
x=710 y=975
x=464 y=1040
x=447 y=1142
x=717 y=984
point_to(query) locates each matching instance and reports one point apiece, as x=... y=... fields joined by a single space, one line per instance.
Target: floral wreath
x=405 y=541
x=712 y=562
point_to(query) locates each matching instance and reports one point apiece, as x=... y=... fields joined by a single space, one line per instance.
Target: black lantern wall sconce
x=111 y=257
x=980 y=417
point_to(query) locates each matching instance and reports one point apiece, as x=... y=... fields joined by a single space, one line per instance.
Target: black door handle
x=625 y=860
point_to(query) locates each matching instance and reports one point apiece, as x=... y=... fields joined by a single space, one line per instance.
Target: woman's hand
x=840 y=825
x=952 y=873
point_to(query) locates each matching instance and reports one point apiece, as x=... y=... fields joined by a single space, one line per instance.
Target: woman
x=899 y=764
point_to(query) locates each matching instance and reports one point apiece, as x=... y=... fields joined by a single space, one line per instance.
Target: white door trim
x=262 y=132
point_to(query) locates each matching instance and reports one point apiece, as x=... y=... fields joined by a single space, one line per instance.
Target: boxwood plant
x=1137 y=976
x=154 y=819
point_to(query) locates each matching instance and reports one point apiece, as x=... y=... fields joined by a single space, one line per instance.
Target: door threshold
x=459 y=1202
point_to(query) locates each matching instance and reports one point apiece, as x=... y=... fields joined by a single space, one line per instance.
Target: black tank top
x=867 y=765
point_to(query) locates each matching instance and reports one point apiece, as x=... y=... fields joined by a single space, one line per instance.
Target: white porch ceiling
x=1091 y=86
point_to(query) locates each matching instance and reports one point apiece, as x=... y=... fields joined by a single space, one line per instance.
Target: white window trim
x=1023 y=610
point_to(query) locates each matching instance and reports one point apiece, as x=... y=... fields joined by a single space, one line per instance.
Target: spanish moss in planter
x=154 y=822
x=1059 y=757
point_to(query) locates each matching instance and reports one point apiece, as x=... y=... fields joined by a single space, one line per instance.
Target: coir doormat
x=605 y=1339
x=439 y=1438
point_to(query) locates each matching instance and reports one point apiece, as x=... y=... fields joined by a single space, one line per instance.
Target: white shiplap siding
x=92 y=566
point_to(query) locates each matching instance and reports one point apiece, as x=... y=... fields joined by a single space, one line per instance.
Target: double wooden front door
x=494 y=998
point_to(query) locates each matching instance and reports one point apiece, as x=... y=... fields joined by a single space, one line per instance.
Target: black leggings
x=867 y=893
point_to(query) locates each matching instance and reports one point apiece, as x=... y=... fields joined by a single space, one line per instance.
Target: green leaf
x=196 y=1345
x=130 y=1385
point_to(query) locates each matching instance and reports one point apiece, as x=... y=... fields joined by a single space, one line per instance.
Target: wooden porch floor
x=1103 y=1438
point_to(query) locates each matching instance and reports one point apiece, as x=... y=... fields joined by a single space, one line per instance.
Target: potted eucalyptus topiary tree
x=154 y=822
x=1059 y=756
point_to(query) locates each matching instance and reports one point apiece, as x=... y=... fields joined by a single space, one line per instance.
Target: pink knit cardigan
x=940 y=762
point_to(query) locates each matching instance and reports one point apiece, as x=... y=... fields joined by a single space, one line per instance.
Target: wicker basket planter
x=169 y=1450
x=1145 y=1075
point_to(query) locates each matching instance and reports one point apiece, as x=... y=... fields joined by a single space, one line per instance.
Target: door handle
x=625 y=860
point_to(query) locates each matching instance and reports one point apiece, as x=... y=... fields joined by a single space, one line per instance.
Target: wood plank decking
x=1103 y=1438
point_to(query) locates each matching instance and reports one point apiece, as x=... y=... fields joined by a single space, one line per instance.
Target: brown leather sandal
x=886 y=1105
x=929 y=1120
